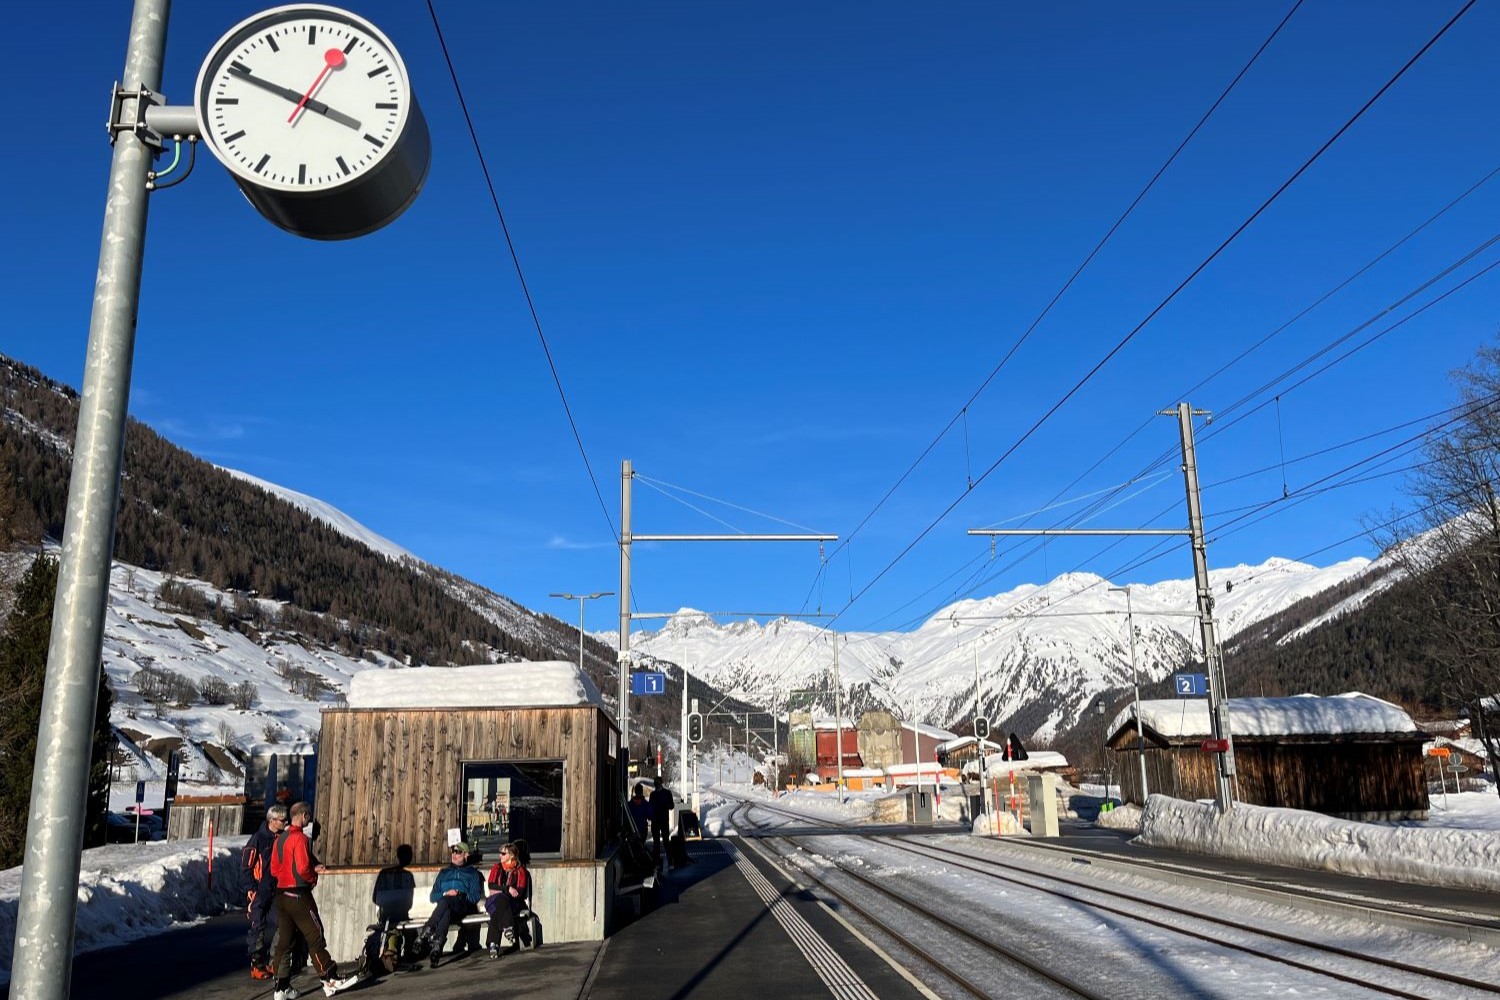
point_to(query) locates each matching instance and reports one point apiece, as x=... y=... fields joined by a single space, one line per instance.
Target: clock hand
x=312 y=105
x=332 y=59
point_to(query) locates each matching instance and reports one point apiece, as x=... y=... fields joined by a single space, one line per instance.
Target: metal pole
x=626 y=474
x=1218 y=709
x=580 y=633
x=1140 y=730
x=42 y=966
x=838 y=718
x=978 y=740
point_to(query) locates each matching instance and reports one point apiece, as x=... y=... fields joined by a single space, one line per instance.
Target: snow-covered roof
x=1036 y=760
x=487 y=685
x=1303 y=715
x=921 y=767
x=931 y=732
x=948 y=746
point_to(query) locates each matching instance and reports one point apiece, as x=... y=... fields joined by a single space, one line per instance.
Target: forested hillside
x=181 y=515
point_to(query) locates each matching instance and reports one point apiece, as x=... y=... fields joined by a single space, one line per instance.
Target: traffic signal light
x=695 y=727
x=981 y=727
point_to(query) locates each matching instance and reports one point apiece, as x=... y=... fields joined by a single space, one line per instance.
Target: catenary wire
x=515 y=259
x=1088 y=376
x=1067 y=284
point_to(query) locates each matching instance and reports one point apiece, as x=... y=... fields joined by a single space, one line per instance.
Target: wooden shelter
x=1350 y=756
x=428 y=756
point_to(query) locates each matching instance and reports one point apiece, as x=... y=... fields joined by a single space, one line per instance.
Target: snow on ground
x=130 y=891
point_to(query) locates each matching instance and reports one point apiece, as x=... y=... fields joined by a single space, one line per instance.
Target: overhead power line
x=515 y=259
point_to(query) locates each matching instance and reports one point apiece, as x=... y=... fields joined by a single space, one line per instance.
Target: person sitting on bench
x=511 y=882
x=456 y=892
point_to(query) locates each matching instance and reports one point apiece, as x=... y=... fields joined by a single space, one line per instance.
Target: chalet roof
x=948 y=746
x=488 y=685
x=1303 y=715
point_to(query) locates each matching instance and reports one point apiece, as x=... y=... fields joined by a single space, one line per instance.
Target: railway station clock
x=310 y=109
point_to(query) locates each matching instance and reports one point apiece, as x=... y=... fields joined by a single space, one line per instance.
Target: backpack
x=252 y=867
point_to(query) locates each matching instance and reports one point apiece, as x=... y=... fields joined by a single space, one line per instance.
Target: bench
x=461 y=941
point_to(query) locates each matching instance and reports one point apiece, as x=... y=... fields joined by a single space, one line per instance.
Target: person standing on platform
x=640 y=810
x=260 y=889
x=296 y=871
x=662 y=806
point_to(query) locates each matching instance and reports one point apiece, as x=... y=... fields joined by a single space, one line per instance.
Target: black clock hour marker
x=238 y=135
x=271 y=41
x=262 y=164
x=301 y=173
x=373 y=141
x=386 y=105
x=343 y=166
x=312 y=34
x=378 y=70
x=350 y=47
x=226 y=100
x=239 y=67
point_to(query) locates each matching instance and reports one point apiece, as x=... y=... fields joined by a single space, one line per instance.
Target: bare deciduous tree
x=1448 y=548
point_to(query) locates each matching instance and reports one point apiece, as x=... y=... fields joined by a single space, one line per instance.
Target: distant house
x=1351 y=755
x=961 y=750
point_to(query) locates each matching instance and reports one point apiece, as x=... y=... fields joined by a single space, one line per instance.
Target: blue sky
x=775 y=249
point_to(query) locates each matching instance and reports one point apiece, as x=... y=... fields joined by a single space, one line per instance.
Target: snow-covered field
x=129 y=891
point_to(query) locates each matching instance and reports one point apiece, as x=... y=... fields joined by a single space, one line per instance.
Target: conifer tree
x=23 y=664
x=23 y=668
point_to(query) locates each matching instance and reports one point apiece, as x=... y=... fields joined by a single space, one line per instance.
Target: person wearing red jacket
x=296 y=871
x=511 y=884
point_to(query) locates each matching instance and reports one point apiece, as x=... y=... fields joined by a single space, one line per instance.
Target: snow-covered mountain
x=1043 y=653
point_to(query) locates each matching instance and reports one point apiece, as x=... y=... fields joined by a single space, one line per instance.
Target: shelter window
x=513 y=799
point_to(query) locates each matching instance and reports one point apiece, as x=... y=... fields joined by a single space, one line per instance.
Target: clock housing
x=311 y=110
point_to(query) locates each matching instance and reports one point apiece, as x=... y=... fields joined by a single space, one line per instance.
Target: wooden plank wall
x=388 y=777
x=1335 y=778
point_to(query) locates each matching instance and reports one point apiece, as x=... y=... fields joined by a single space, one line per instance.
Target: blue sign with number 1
x=647 y=682
x=1190 y=685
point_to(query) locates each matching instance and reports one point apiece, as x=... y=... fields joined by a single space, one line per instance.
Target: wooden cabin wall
x=388 y=777
x=1332 y=778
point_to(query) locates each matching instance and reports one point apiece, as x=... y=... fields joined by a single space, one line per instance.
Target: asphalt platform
x=726 y=927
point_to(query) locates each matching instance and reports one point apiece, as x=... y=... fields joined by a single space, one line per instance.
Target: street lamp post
x=1103 y=743
x=580 y=598
x=1140 y=727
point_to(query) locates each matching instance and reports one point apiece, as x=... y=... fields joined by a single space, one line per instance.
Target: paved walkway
x=726 y=927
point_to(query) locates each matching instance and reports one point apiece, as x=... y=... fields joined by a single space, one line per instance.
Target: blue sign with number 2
x=1189 y=685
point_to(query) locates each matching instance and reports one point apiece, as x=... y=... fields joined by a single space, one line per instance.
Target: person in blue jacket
x=456 y=892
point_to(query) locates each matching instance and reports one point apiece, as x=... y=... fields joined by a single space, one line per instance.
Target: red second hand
x=332 y=59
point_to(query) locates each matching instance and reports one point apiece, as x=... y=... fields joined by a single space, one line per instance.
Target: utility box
x=919 y=809
x=1042 y=789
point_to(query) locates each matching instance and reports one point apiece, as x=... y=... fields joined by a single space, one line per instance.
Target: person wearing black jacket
x=662 y=806
x=261 y=890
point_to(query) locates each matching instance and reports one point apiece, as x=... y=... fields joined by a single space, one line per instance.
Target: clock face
x=303 y=99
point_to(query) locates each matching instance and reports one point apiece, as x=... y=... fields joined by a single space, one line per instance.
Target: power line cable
x=1070 y=281
x=515 y=259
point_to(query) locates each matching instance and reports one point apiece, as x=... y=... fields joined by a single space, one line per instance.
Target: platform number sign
x=648 y=682
x=1190 y=685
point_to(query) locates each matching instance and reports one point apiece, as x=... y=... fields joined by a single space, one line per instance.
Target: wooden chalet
x=1350 y=756
x=423 y=757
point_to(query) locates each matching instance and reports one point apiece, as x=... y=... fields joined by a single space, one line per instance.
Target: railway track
x=1321 y=960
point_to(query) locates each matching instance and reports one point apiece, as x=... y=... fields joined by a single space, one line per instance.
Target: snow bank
x=1463 y=859
x=130 y=891
x=1126 y=817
